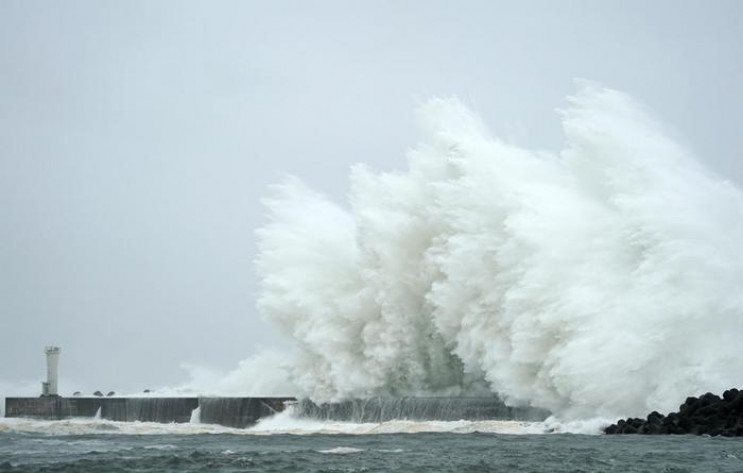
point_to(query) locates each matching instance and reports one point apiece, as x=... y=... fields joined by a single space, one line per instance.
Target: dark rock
x=654 y=424
x=629 y=429
x=685 y=424
x=689 y=406
x=707 y=415
x=737 y=403
x=110 y=393
x=709 y=399
x=98 y=393
x=655 y=418
x=706 y=411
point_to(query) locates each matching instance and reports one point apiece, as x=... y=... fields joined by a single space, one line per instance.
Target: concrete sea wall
x=381 y=409
x=229 y=411
x=245 y=411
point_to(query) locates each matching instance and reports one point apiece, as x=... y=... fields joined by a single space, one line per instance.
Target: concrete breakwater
x=245 y=411
x=229 y=411
x=381 y=409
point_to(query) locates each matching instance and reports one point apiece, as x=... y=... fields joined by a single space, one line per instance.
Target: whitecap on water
x=341 y=450
x=286 y=423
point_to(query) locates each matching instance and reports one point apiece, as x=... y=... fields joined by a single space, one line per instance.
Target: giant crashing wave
x=603 y=280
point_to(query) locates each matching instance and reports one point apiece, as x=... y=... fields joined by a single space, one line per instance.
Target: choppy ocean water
x=99 y=446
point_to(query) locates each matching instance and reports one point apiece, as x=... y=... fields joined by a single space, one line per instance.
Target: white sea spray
x=599 y=281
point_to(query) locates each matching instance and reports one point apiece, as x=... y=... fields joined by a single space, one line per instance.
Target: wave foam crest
x=286 y=423
x=599 y=281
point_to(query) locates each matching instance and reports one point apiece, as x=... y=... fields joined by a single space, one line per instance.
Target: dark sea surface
x=402 y=452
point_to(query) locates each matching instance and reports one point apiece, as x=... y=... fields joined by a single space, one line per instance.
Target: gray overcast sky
x=137 y=138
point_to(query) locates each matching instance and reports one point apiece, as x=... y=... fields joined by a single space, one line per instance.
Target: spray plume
x=602 y=280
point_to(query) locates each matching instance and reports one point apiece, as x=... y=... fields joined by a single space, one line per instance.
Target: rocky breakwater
x=708 y=414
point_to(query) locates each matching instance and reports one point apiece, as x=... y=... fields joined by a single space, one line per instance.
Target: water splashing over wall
x=600 y=280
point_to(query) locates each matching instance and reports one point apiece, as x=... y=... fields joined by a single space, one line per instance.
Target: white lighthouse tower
x=49 y=388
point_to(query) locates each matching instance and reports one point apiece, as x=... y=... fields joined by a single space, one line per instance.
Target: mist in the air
x=601 y=279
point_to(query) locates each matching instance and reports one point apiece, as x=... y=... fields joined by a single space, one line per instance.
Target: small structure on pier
x=49 y=387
